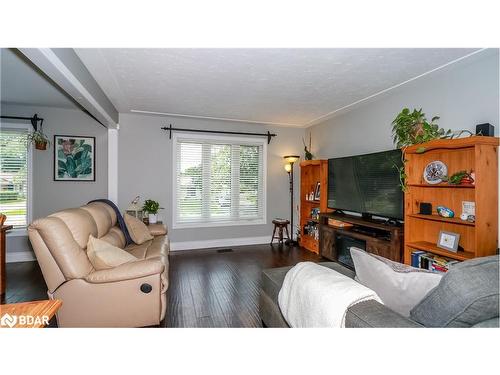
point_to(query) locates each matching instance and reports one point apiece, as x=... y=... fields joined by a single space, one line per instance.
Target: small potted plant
x=151 y=207
x=39 y=139
x=307 y=151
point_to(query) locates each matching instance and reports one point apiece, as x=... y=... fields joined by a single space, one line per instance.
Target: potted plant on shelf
x=39 y=139
x=411 y=128
x=151 y=207
x=307 y=151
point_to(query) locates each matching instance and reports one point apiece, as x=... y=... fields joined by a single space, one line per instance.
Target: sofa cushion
x=101 y=217
x=138 y=230
x=272 y=278
x=115 y=237
x=64 y=249
x=157 y=229
x=102 y=255
x=490 y=323
x=467 y=295
x=80 y=223
x=158 y=247
x=400 y=287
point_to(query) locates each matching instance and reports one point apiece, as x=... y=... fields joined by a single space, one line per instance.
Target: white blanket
x=317 y=296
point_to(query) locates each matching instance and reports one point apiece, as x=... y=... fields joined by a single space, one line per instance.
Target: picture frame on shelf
x=74 y=158
x=448 y=240
x=317 y=191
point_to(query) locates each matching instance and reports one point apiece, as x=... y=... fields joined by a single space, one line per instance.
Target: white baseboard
x=20 y=256
x=224 y=242
x=28 y=256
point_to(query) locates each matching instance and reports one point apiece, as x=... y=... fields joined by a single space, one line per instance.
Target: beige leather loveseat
x=130 y=295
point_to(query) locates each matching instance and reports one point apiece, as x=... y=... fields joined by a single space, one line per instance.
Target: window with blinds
x=219 y=181
x=14 y=175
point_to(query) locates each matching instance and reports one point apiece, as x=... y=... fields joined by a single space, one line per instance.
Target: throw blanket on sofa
x=119 y=218
x=317 y=296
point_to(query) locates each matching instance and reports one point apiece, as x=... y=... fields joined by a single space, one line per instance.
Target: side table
x=34 y=314
x=3 y=230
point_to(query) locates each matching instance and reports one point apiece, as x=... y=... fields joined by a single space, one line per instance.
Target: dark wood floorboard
x=207 y=288
x=211 y=289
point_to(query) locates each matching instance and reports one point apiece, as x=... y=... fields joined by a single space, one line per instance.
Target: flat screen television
x=368 y=184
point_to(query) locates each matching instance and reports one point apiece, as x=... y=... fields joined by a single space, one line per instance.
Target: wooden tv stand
x=381 y=238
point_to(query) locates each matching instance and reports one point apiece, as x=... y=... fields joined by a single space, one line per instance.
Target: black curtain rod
x=34 y=120
x=170 y=129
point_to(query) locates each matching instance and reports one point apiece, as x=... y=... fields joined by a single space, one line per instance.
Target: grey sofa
x=467 y=296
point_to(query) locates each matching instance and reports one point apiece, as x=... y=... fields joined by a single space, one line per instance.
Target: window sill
x=18 y=232
x=218 y=224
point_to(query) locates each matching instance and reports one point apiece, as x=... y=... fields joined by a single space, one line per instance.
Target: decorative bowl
x=445 y=211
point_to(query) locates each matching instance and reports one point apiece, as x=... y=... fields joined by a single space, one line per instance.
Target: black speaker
x=425 y=208
x=487 y=130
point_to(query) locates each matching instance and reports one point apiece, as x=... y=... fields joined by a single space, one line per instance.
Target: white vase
x=152 y=218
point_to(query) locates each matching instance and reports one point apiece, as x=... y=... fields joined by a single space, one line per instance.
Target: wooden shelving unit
x=311 y=172
x=478 y=154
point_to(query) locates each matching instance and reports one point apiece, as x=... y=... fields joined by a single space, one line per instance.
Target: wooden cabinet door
x=384 y=249
x=327 y=242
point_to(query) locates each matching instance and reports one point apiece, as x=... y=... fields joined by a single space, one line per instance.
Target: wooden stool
x=280 y=224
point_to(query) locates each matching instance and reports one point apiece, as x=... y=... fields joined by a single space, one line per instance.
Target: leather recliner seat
x=100 y=298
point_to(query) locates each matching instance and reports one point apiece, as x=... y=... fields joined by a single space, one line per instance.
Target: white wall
x=463 y=94
x=145 y=169
x=49 y=195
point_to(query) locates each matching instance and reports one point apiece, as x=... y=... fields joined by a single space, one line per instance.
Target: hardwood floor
x=208 y=288
x=24 y=283
x=211 y=289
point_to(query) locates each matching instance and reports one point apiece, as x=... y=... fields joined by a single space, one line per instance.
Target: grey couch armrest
x=373 y=314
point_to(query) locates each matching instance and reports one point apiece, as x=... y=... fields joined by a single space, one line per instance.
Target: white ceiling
x=22 y=83
x=283 y=86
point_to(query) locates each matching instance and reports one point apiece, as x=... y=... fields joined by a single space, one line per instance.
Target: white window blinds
x=14 y=174
x=218 y=182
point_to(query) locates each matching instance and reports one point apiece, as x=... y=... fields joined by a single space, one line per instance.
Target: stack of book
x=315 y=214
x=431 y=262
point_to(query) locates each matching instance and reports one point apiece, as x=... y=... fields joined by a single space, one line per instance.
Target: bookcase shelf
x=443 y=185
x=311 y=172
x=452 y=220
x=431 y=248
x=477 y=154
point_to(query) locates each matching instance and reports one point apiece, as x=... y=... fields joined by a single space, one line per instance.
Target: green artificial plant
x=150 y=206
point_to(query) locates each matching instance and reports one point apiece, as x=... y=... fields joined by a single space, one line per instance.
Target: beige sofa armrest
x=157 y=229
x=127 y=271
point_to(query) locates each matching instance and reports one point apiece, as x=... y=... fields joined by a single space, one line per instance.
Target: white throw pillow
x=399 y=286
x=103 y=255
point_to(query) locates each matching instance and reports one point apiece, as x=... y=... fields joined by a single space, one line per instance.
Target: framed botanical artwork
x=74 y=158
x=317 y=191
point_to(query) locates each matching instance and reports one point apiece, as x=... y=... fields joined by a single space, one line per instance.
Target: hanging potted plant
x=39 y=139
x=151 y=207
x=410 y=128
